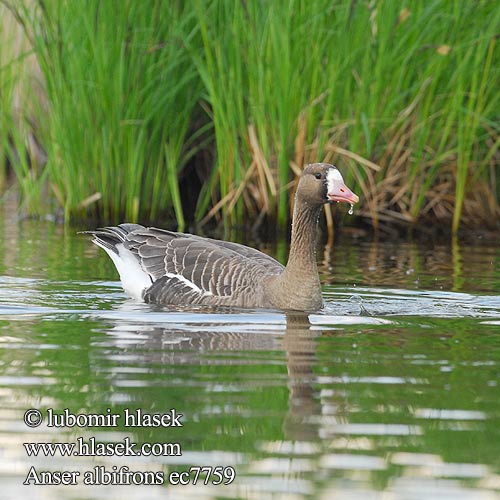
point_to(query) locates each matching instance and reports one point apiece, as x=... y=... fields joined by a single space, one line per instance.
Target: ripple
x=427 y=303
x=443 y=414
x=343 y=305
x=352 y=462
x=333 y=428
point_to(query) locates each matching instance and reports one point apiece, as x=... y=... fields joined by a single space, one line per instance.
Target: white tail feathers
x=135 y=280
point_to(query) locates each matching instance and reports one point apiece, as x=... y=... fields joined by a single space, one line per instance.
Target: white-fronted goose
x=164 y=267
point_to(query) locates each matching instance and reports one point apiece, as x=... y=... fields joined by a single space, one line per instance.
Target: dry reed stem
x=239 y=190
x=242 y=190
x=260 y=160
x=89 y=200
x=57 y=194
x=352 y=156
x=300 y=139
x=213 y=211
x=329 y=224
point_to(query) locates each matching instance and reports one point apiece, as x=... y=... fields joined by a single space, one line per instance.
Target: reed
x=21 y=98
x=402 y=97
x=121 y=92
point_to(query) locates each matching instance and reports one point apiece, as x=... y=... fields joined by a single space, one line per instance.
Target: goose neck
x=302 y=257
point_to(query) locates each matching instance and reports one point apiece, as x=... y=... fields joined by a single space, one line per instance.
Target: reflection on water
x=390 y=392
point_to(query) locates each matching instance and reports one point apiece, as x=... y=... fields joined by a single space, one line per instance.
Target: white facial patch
x=332 y=177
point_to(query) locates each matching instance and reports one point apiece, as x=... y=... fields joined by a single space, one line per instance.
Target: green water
x=390 y=392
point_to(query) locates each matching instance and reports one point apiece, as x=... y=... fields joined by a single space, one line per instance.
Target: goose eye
x=317 y=175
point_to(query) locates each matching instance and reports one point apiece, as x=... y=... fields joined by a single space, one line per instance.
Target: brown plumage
x=165 y=267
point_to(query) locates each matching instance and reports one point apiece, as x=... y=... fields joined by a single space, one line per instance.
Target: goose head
x=322 y=183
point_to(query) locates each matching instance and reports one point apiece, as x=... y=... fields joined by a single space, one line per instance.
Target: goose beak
x=339 y=192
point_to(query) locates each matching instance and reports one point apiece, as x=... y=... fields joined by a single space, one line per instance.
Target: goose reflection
x=230 y=339
x=299 y=343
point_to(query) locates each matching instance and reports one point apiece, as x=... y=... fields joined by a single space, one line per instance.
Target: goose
x=171 y=268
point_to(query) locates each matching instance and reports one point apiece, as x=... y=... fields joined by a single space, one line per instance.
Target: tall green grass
x=413 y=84
x=19 y=103
x=402 y=96
x=121 y=91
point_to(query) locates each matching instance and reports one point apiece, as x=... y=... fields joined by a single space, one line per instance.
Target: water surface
x=391 y=391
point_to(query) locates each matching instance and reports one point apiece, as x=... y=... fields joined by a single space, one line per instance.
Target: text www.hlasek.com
x=92 y=448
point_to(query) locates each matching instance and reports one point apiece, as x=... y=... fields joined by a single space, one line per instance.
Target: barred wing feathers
x=189 y=269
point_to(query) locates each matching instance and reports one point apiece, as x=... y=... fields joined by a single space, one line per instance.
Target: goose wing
x=186 y=264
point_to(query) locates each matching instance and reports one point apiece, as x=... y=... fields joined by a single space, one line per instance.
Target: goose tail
x=134 y=278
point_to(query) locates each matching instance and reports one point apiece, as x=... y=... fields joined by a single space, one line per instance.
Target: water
x=390 y=392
